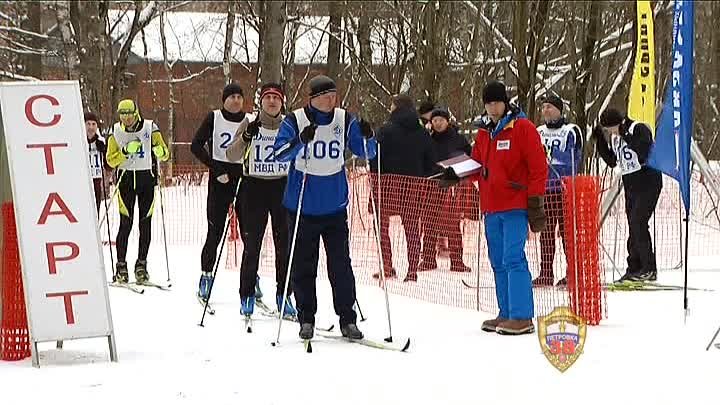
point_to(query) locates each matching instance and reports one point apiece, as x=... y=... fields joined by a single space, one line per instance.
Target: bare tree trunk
x=333 y=53
x=273 y=27
x=289 y=51
x=363 y=38
x=32 y=63
x=62 y=14
x=147 y=13
x=430 y=44
x=585 y=73
x=171 y=95
x=535 y=44
x=88 y=24
x=519 y=40
x=229 y=32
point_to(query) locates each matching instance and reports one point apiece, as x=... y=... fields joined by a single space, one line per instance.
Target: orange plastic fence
x=582 y=238
x=185 y=197
x=14 y=334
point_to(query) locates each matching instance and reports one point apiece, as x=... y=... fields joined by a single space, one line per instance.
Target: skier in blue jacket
x=314 y=139
x=564 y=147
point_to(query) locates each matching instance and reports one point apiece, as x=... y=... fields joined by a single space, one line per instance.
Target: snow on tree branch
x=15 y=76
x=23 y=32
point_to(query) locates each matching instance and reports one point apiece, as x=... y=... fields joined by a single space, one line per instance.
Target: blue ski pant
x=506 y=233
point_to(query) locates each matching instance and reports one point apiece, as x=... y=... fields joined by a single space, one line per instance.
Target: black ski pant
x=219 y=200
x=640 y=202
x=334 y=232
x=257 y=199
x=135 y=185
x=554 y=204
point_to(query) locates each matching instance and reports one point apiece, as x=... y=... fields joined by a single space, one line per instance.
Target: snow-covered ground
x=643 y=353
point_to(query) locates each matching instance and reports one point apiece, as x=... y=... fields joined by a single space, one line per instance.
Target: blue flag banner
x=671 y=152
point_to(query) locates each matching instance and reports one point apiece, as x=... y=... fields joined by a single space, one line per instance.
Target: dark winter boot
x=351 y=331
x=545 y=279
x=410 y=277
x=515 y=327
x=141 y=274
x=121 y=272
x=389 y=273
x=644 y=276
x=307 y=331
x=491 y=324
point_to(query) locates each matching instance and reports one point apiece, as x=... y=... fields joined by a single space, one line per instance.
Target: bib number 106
x=321 y=149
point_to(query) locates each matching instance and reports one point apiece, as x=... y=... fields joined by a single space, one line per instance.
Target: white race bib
x=96 y=162
x=556 y=139
x=324 y=155
x=223 y=135
x=143 y=159
x=261 y=161
x=627 y=158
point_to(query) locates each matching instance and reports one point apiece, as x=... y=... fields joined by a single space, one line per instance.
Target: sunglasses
x=126 y=112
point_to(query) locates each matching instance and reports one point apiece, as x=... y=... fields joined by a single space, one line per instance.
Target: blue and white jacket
x=563 y=142
x=323 y=158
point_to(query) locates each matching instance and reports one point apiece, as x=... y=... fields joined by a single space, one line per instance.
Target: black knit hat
x=426 y=107
x=554 y=100
x=90 y=116
x=611 y=117
x=440 y=112
x=494 y=91
x=320 y=85
x=230 y=89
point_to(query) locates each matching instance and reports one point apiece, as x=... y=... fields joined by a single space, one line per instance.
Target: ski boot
x=206 y=281
x=351 y=331
x=247 y=305
x=290 y=313
x=121 y=272
x=307 y=331
x=258 y=291
x=141 y=274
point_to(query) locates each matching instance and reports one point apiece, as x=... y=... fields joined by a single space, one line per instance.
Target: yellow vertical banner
x=641 y=105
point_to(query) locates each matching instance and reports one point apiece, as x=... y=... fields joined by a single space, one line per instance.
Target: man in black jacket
x=405 y=150
x=209 y=146
x=621 y=141
x=96 y=149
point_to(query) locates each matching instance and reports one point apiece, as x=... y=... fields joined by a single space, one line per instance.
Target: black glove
x=308 y=133
x=365 y=129
x=536 y=213
x=449 y=179
x=252 y=129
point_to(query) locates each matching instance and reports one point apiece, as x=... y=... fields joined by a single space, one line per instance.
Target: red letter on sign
x=67 y=298
x=64 y=210
x=31 y=117
x=52 y=259
x=49 y=164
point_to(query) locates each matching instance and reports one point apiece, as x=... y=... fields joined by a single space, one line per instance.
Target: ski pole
x=162 y=215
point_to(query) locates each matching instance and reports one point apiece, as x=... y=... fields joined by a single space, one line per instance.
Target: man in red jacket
x=511 y=185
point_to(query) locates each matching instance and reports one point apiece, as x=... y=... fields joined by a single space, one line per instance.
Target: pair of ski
x=138 y=288
x=626 y=286
x=647 y=286
x=325 y=334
